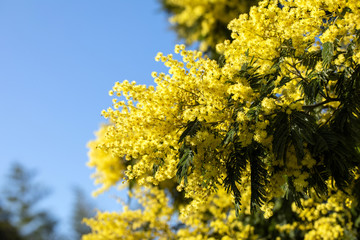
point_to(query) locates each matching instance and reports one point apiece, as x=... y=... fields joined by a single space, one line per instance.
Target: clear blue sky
x=58 y=60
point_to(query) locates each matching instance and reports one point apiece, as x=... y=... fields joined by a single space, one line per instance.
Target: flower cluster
x=213 y=220
x=277 y=116
x=323 y=218
x=205 y=20
x=150 y=223
x=109 y=167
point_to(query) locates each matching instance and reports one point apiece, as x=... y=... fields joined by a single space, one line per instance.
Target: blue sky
x=58 y=60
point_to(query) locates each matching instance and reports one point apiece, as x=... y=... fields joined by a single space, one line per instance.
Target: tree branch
x=310 y=107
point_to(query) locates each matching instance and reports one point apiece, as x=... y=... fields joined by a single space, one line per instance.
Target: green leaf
x=235 y=165
x=221 y=60
x=338 y=154
x=258 y=175
x=318 y=177
x=237 y=207
x=156 y=166
x=192 y=128
x=311 y=90
x=305 y=124
x=310 y=59
x=186 y=160
x=296 y=129
x=297 y=140
x=320 y=145
x=229 y=136
x=302 y=129
x=346 y=123
x=292 y=194
x=253 y=112
x=155 y=169
x=281 y=132
x=284 y=80
x=327 y=53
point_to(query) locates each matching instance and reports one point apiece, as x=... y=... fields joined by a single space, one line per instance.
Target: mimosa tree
x=265 y=137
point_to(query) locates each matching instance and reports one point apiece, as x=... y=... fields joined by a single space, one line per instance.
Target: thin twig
x=310 y=107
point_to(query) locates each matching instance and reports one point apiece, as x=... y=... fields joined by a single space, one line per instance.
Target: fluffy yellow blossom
x=150 y=223
x=323 y=219
x=236 y=135
x=205 y=20
x=146 y=125
x=109 y=168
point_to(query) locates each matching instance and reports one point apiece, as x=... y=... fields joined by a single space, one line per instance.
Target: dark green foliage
x=156 y=166
x=281 y=132
x=292 y=193
x=327 y=53
x=259 y=175
x=186 y=155
x=21 y=197
x=338 y=158
x=8 y=232
x=235 y=165
x=318 y=176
x=191 y=129
x=312 y=87
x=346 y=120
x=82 y=208
x=229 y=136
x=221 y=60
x=295 y=129
x=348 y=87
x=309 y=59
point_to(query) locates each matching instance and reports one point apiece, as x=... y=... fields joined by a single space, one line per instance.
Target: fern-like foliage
x=186 y=161
x=186 y=152
x=191 y=129
x=235 y=165
x=296 y=129
x=238 y=159
x=259 y=175
x=332 y=141
x=327 y=53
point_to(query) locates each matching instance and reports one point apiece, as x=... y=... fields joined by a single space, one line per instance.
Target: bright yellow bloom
x=142 y=144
